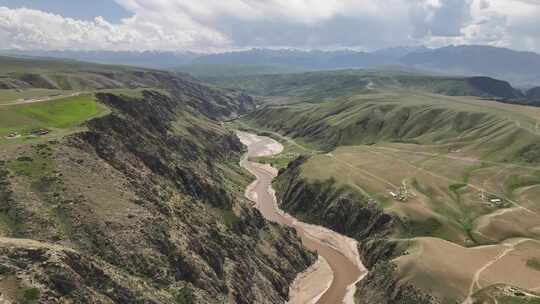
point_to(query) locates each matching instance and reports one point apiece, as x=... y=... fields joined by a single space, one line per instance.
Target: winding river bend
x=332 y=279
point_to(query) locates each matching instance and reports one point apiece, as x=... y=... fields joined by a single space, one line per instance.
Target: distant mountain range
x=520 y=68
x=148 y=59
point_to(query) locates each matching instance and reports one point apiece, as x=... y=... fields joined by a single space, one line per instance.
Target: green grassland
x=12 y=95
x=11 y=64
x=492 y=131
x=312 y=86
x=53 y=75
x=455 y=155
x=470 y=166
x=58 y=95
x=448 y=192
x=214 y=72
x=62 y=113
x=319 y=86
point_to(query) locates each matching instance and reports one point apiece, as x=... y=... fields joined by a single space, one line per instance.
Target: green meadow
x=62 y=113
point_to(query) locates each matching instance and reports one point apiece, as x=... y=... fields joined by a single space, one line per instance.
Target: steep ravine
x=144 y=206
x=336 y=251
x=348 y=213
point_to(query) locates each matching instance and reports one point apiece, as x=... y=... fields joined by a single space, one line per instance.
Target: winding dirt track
x=338 y=251
x=39 y=99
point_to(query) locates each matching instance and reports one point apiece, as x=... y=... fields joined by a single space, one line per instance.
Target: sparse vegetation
x=457 y=187
x=184 y=296
x=29 y=295
x=230 y=218
x=12 y=95
x=518 y=300
x=515 y=182
x=534 y=263
x=428 y=227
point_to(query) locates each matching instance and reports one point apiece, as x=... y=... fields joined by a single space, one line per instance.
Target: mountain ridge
x=518 y=67
x=144 y=204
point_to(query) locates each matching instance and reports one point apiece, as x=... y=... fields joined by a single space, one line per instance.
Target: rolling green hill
x=314 y=86
x=214 y=72
x=22 y=73
x=425 y=171
x=58 y=95
x=486 y=129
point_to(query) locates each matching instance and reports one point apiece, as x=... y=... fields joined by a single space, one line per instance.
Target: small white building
x=496 y=201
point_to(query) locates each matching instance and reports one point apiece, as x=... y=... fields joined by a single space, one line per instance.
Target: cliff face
x=146 y=206
x=337 y=208
x=347 y=212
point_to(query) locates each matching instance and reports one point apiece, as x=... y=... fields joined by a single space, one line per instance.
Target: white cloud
x=213 y=25
x=504 y=23
x=32 y=29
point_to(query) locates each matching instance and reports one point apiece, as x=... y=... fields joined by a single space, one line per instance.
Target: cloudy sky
x=213 y=25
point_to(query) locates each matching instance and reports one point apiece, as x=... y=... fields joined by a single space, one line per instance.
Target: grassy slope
x=53 y=76
x=42 y=66
x=329 y=84
x=176 y=138
x=448 y=150
x=10 y=96
x=495 y=133
x=506 y=295
x=213 y=72
x=60 y=113
x=50 y=81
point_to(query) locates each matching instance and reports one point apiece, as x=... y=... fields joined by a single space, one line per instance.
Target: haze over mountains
x=522 y=69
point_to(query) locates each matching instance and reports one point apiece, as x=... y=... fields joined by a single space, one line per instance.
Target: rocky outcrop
x=145 y=206
x=381 y=286
x=339 y=209
x=351 y=214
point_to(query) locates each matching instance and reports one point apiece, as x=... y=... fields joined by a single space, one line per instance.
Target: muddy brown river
x=332 y=280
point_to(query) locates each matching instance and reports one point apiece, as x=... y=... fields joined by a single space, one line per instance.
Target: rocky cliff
x=351 y=214
x=145 y=206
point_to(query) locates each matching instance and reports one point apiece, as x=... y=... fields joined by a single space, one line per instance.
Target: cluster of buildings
x=402 y=194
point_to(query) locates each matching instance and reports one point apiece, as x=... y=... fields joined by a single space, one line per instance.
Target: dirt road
x=338 y=251
x=39 y=99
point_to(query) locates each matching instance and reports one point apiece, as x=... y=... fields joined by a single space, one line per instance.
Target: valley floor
x=452 y=226
x=339 y=268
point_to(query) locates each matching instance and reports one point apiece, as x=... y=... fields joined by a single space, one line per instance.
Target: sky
x=218 y=25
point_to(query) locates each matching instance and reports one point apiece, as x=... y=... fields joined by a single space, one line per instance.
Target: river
x=332 y=279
